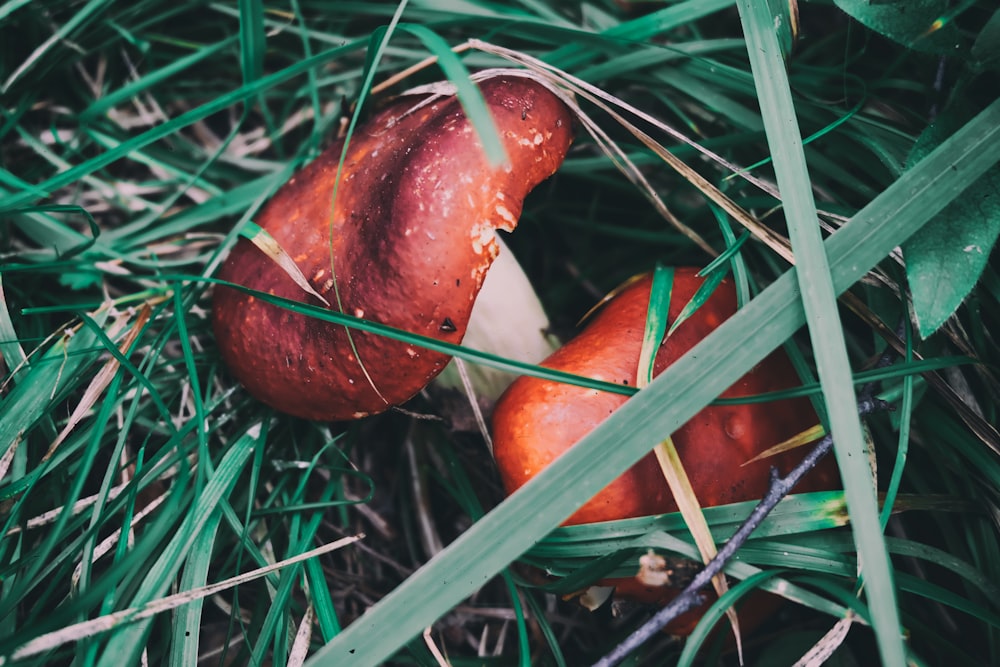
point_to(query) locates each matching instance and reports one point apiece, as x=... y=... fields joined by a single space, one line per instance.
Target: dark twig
x=778 y=489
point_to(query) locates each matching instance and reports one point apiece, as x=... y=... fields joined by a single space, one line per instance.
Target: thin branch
x=690 y=598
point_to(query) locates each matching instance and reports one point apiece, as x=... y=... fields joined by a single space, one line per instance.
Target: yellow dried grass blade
x=811 y=434
x=666 y=453
x=261 y=238
x=103 y=377
x=609 y=296
x=690 y=508
x=108 y=622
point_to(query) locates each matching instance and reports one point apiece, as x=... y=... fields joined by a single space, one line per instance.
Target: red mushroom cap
x=409 y=238
x=537 y=420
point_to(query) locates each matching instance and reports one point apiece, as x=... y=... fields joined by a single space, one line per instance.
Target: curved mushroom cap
x=407 y=243
x=537 y=420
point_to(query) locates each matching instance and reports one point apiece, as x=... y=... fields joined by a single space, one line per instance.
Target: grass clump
x=138 y=139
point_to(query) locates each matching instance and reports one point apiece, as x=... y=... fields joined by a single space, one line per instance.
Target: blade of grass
x=9 y=8
x=637 y=30
x=743 y=568
x=10 y=347
x=670 y=400
x=722 y=605
x=426 y=342
x=903 y=444
x=152 y=79
x=161 y=604
x=819 y=300
x=101 y=379
x=253 y=41
x=45 y=379
x=468 y=94
x=807 y=512
x=79 y=18
x=221 y=103
x=186 y=624
x=125 y=646
x=656 y=323
x=319 y=596
x=690 y=508
x=666 y=453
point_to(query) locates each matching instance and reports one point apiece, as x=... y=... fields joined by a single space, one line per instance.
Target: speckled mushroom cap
x=407 y=242
x=536 y=420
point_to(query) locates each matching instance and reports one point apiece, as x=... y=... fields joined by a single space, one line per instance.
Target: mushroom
x=406 y=242
x=536 y=420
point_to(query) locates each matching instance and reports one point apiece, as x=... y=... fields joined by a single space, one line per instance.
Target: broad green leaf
x=919 y=24
x=986 y=49
x=945 y=259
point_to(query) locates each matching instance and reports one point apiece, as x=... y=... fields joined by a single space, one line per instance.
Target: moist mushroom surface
x=406 y=242
x=536 y=420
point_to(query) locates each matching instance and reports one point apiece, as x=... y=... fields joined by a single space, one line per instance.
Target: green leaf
x=919 y=24
x=945 y=259
x=656 y=322
x=987 y=46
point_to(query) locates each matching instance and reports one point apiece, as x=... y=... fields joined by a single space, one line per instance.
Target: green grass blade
x=46 y=377
x=253 y=41
x=902 y=448
x=656 y=322
x=187 y=620
x=639 y=29
x=819 y=300
x=71 y=175
x=10 y=348
x=125 y=646
x=152 y=79
x=468 y=94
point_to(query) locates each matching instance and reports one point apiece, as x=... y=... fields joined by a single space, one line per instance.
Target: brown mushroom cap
x=537 y=420
x=410 y=237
